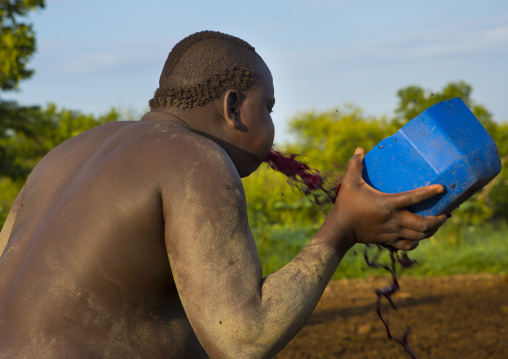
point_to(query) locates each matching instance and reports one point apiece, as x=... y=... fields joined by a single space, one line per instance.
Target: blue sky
x=96 y=54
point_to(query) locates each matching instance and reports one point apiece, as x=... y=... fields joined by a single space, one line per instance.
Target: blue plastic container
x=444 y=145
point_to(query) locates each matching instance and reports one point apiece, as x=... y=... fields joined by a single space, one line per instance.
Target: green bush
x=483 y=249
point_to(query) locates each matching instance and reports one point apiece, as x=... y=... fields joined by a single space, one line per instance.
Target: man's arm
x=234 y=311
x=9 y=222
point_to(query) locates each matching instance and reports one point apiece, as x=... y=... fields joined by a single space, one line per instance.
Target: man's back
x=85 y=272
x=119 y=229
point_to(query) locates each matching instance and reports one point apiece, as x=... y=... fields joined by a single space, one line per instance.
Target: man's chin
x=248 y=170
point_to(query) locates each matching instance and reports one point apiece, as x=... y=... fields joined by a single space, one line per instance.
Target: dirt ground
x=463 y=316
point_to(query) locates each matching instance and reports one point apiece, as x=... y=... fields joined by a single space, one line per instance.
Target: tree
x=413 y=100
x=28 y=133
x=33 y=132
x=325 y=141
x=17 y=45
x=17 y=41
x=328 y=139
x=490 y=202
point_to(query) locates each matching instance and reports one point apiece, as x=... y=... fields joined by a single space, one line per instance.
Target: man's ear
x=231 y=107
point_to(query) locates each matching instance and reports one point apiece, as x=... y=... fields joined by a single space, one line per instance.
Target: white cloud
x=327 y=2
x=272 y=26
x=499 y=34
x=445 y=42
x=52 y=44
x=487 y=36
x=124 y=54
x=92 y=62
x=316 y=3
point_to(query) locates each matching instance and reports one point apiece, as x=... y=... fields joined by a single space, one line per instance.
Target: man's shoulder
x=187 y=146
x=184 y=156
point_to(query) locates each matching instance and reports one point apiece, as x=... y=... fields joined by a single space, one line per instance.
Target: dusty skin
x=131 y=240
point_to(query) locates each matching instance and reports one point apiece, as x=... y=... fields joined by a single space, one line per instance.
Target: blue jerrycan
x=444 y=145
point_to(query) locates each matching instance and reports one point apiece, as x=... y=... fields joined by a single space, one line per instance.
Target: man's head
x=201 y=67
x=220 y=87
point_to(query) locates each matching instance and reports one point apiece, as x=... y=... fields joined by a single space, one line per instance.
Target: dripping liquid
x=310 y=182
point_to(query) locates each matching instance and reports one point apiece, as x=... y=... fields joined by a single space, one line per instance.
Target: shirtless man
x=131 y=240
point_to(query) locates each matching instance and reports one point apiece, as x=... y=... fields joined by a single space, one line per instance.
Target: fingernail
x=358 y=151
x=440 y=189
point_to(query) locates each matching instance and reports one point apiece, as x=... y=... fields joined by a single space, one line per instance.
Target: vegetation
x=17 y=40
x=483 y=249
x=282 y=219
x=27 y=133
x=328 y=140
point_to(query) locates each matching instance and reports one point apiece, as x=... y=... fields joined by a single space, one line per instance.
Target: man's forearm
x=289 y=296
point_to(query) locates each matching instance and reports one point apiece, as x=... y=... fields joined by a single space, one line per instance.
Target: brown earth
x=463 y=316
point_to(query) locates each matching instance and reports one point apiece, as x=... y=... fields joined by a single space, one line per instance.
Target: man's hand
x=369 y=216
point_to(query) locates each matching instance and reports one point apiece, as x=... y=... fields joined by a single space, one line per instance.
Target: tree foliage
x=28 y=133
x=328 y=139
x=491 y=202
x=413 y=100
x=17 y=41
x=325 y=141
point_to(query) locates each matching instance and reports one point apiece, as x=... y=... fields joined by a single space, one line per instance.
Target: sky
x=96 y=54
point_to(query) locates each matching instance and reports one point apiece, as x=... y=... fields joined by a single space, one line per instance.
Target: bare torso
x=122 y=227
x=86 y=272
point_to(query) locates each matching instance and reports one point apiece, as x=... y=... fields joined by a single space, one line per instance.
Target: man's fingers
x=418 y=223
x=405 y=245
x=410 y=198
x=355 y=166
x=415 y=235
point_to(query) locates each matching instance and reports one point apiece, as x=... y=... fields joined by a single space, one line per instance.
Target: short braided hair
x=201 y=67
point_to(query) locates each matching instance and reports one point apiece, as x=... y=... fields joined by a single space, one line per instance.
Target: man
x=131 y=240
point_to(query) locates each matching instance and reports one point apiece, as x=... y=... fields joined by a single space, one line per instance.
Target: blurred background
x=346 y=74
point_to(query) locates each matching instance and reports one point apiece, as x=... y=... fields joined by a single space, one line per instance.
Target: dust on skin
x=218 y=227
x=212 y=259
x=274 y=309
x=304 y=274
x=64 y=283
x=169 y=206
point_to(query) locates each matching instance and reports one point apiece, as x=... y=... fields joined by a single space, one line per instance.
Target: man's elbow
x=253 y=341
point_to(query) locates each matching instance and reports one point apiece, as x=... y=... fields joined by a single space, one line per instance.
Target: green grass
x=479 y=249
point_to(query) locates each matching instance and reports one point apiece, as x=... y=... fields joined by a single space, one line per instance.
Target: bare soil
x=463 y=316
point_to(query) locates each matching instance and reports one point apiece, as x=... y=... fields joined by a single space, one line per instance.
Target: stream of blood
x=310 y=182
